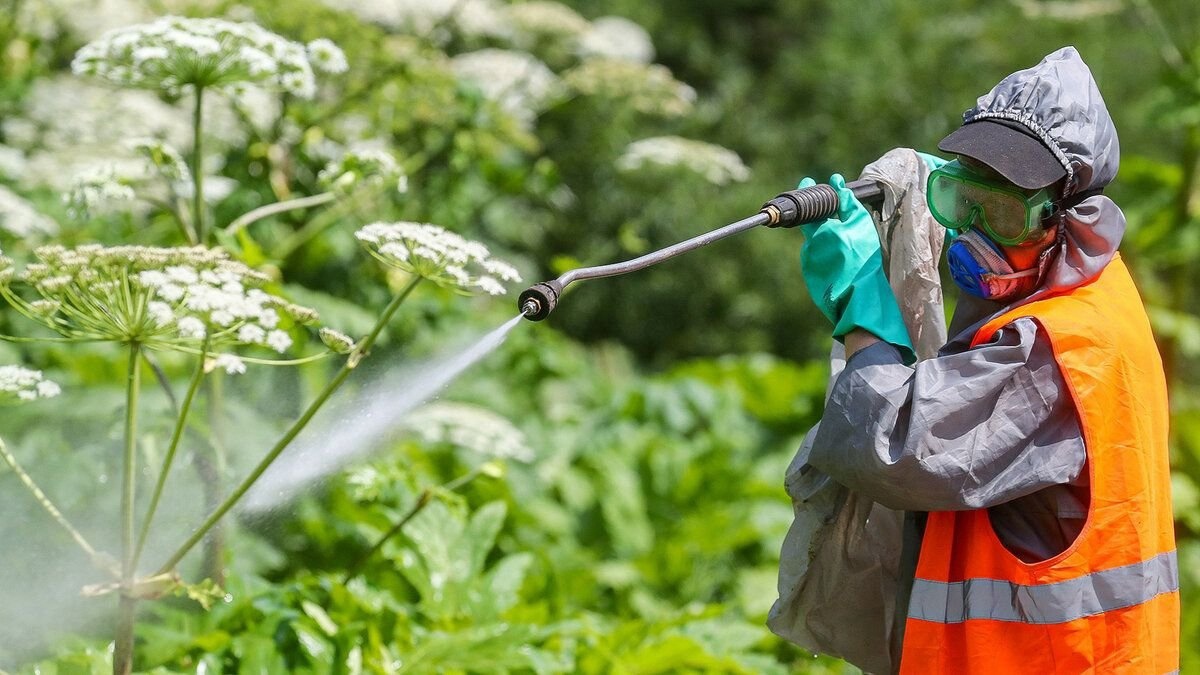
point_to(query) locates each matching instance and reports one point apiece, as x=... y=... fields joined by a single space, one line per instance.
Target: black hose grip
x=796 y=207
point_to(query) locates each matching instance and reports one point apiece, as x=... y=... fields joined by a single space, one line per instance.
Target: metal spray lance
x=789 y=209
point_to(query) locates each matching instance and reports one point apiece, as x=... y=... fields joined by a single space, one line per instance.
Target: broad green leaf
x=501 y=588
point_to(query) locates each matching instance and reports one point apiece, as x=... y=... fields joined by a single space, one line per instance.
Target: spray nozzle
x=537 y=301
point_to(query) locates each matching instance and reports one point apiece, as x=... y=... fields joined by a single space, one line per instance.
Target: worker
x=1031 y=452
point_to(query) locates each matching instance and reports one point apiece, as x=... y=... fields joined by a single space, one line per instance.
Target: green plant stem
x=129 y=461
x=314 y=227
x=423 y=500
x=198 y=166
x=176 y=435
x=123 y=647
x=261 y=212
x=352 y=361
x=208 y=468
x=42 y=499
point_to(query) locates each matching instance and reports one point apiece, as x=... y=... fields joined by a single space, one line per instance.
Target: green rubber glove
x=842 y=265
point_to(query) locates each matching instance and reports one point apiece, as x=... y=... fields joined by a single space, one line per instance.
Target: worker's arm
x=961 y=431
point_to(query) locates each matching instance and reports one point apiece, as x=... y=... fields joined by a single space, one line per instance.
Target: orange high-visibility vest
x=1109 y=603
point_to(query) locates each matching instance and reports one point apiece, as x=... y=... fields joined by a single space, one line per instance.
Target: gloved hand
x=842 y=265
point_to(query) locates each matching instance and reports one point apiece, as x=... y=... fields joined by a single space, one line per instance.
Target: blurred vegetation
x=660 y=408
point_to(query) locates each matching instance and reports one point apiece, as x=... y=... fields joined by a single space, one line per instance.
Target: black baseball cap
x=1009 y=148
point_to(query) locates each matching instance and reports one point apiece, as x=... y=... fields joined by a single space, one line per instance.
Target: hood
x=1059 y=102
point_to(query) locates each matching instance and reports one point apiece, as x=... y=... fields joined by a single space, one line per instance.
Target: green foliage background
x=662 y=407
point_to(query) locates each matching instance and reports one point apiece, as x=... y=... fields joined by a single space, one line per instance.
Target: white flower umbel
x=64 y=125
x=649 y=89
x=432 y=18
x=436 y=254
x=19 y=217
x=614 y=37
x=327 y=57
x=717 y=165
x=542 y=19
x=12 y=162
x=518 y=82
x=156 y=172
x=175 y=52
x=160 y=298
x=18 y=383
x=99 y=189
x=469 y=427
x=363 y=167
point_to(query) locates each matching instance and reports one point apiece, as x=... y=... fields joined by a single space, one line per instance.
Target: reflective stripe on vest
x=1059 y=602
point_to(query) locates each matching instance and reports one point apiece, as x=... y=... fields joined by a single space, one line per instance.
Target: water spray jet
x=788 y=209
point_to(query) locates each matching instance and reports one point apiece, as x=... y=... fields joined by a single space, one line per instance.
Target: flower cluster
x=327 y=57
x=714 y=163
x=174 y=52
x=543 y=19
x=432 y=18
x=469 y=427
x=650 y=89
x=436 y=254
x=109 y=186
x=99 y=189
x=364 y=166
x=614 y=37
x=65 y=125
x=20 y=218
x=18 y=383
x=12 y=162
x=167 y=298
x=518 y=82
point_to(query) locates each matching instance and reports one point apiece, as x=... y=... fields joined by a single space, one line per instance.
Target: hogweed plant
x=176 y=54
x=197 y=300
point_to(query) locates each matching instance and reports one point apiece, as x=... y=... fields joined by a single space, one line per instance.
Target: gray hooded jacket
x=992 y=427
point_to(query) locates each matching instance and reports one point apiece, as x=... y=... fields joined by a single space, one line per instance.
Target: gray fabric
x=1059 y=602
x=966 y=430
x=912 y=243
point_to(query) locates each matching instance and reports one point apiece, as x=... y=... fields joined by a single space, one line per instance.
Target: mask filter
x=979 y=268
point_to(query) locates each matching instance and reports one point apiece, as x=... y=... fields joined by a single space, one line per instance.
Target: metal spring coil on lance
x=791 y=208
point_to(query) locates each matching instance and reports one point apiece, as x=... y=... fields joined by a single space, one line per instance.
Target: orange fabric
x=1102 y=342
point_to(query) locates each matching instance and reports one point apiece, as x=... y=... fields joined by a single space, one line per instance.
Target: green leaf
x=258 y=656
x=502 y=586
x=317 y=614
x=480 y=534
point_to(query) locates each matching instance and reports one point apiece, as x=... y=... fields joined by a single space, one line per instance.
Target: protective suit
x=991 y=439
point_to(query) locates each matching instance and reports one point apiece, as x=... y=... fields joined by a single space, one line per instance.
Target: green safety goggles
x=960 y=199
